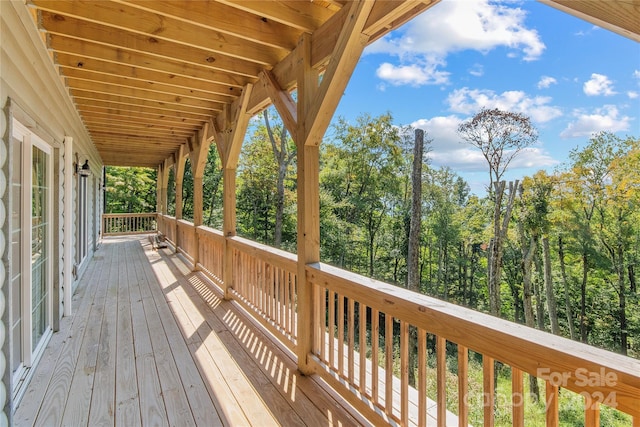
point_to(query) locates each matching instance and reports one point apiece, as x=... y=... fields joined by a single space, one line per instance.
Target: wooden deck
x=152 y=343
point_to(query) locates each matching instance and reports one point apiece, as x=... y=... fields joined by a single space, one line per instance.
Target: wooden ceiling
x=147 y=75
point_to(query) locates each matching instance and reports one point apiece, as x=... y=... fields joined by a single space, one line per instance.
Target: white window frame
x=30 y=140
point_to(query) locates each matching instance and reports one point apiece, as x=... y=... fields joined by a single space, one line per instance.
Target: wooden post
x=159 y=188
x=163 y=183
x=308 y=246
x=317 y=101
x=228 y=226
x=181 y=159
x=308 y=238
x=234 y=122
x=198 y=156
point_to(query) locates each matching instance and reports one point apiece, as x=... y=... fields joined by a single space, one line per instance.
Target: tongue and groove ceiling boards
x=146 y=75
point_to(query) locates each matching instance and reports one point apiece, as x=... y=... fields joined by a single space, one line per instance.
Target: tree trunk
x=565 y=284
x=282 y=173
x=500 y=227
x=548 y=285
x=622 y=291
x=583 y=298
x=413 y=259
x=537 y=287
x=283 y=158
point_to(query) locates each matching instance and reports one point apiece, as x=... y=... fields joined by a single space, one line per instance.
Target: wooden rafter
x=175 y=59
x=162 y=70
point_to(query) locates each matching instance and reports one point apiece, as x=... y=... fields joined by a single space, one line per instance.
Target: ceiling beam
x=620 y=16
x=236 y=22
x=96 y=33
x=83 y=48
x=99 y=66
x=118 y=99
x=125 y=82
x=157 y=26
x=304 y=15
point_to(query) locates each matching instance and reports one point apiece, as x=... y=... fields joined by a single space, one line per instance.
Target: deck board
x=152 y=343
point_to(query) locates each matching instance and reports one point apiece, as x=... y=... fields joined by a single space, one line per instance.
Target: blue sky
x=570 y=77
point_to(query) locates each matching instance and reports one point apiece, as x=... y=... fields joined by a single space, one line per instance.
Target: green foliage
x=130 y=190
x=257 y=191
x=590 y=206
x=360 y=174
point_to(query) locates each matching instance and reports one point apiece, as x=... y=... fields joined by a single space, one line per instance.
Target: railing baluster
x=363 y=347
x=422 y=377
x=441 y=373
x=288 y=280
x=591 y=413
x=551 y=407
x=341 y=325
x=332 y=329
x=517 y=397
x=488 y=376
x=388 y=349
x=463 y=386
x=266 y=272
x=350 y=339
x=375 y=337
x=322 y=331
x=404 y=373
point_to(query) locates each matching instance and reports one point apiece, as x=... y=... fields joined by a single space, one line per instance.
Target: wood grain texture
x=174 y=352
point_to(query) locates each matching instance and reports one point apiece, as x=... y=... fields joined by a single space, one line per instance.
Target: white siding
x=32 y=92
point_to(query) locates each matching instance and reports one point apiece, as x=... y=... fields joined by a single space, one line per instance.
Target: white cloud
x=632 y=94
x=546 y=81
x=452 y=26
x=587 y=32
x=636 y=74
x=606 y=118
x=599 y=84
x=413 y=74
x=448 y=149
x=477 y=70
x=470 y=101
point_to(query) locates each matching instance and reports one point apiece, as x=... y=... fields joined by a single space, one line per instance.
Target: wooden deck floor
x=153 y=344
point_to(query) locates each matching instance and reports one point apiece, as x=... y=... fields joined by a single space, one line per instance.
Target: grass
x=571 y=405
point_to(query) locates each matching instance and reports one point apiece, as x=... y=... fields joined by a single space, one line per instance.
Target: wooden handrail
x=129 y=223
x=349 y=308
x=606 y=377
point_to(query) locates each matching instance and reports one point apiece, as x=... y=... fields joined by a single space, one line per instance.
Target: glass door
x=30 y=291
x=40 y=245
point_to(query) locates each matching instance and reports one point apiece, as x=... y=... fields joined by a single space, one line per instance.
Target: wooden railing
x=369 y=335
x=264 y=281
x=186 y=238
x=128 y=223
x=211 y=250
x=167 y=226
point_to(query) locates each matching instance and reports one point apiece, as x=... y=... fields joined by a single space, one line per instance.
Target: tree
x=500 y=136
x=360 y=174
x=130 y=189
x=211 y=183
x=413 y=257
x=284 y=152
x=615 y=228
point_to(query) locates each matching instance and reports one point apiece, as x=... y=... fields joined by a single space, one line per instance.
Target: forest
x=557 y=250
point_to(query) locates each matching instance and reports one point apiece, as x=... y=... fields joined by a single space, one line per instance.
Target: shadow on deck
x=152 y=343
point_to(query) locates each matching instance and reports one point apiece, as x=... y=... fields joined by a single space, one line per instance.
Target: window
x=31 y=250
